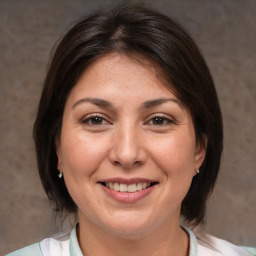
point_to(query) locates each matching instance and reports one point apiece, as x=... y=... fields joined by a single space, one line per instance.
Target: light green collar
x=76 y=251
x=192 y=242
x=73 y=244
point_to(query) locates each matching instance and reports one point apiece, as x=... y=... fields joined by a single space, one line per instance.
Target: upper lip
x=127 y=181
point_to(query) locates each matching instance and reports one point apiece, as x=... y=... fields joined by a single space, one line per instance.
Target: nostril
x=127 y=164
x=126 y=152
x=116 y=163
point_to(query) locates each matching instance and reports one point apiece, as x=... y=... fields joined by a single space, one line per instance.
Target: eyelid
x=170 y=119
x=93 y=115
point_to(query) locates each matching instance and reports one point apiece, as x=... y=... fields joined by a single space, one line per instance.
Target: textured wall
x=225 y=31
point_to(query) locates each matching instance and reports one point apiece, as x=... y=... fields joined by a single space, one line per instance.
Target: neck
x=171 y=240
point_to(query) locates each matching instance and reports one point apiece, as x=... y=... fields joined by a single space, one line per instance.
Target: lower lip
x=128 y=197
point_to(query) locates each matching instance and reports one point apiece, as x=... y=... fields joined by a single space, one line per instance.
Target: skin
x=127 y=138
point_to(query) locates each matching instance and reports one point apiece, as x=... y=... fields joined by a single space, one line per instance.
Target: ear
x=59 y=154
x=200 y=153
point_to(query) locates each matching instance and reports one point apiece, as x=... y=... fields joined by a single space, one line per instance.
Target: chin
x=129 y=232
x=129 y=226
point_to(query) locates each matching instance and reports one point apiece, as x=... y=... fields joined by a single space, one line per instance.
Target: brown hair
x=140 y=30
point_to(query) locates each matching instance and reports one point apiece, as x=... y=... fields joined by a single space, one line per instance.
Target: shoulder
x=57 y=245
x=251 y=250
x=221 y=247
x=31 y=250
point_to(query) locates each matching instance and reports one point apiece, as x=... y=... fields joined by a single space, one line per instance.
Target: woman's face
x=127 y=148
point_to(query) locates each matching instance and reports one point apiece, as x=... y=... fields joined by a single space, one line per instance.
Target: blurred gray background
x=225 y=32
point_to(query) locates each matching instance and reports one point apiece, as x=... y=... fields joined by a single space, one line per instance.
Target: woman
x=129 y=136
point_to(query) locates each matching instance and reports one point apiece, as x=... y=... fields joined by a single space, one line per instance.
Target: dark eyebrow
x=95 y=101
x=156 y=102
x=107 y=104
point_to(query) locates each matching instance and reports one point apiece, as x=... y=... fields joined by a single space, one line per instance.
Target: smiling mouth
x=130 y=188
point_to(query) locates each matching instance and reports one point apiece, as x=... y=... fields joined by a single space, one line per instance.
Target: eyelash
x=161 y=117
x=90 y=119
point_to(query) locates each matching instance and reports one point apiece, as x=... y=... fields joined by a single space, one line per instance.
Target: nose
x=127 y=149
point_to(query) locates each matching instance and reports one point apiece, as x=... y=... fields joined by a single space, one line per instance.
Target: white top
x=67 y=245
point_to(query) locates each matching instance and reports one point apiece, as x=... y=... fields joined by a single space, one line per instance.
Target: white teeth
x=139 y=186
x=111 y=185
x=123 y=187
x=116 y=187
x=144 y=185
x=132 y=188
x=127 y=188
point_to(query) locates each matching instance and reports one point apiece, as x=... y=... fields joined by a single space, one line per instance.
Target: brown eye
x=94 y=120
x=158 y=121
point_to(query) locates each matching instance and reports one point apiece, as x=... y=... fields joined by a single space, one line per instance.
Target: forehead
x=120 y=75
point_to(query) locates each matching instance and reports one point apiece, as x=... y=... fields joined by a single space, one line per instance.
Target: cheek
x=174 y=154
x=81 y=153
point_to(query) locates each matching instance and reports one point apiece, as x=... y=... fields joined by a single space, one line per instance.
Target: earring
x=60 y=175
x=198 y=171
